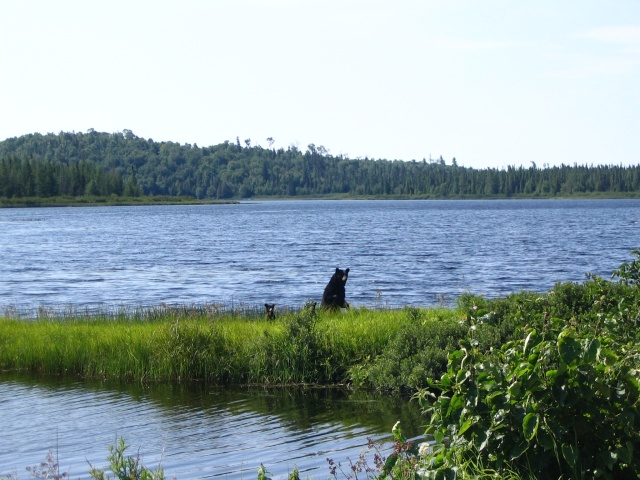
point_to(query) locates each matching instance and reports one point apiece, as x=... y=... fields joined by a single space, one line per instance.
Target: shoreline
x=39 y=202
x=150 y=200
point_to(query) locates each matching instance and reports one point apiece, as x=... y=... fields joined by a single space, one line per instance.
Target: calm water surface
x=195 y=432
x=400 y=252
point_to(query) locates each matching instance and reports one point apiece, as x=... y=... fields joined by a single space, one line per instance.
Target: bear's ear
x=346 y=272
x=337 y=271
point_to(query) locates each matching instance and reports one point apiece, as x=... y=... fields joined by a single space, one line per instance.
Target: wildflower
x=396 y=427
x=426 y=448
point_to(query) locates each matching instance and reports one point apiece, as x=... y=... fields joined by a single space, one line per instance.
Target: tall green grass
x=220 y=347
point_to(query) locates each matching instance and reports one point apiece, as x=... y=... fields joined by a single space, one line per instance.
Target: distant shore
x=111 y=201
x=91 y=201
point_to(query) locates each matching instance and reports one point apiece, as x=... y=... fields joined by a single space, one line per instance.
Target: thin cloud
x=605 y=51
x=592 y=66
x=628 y=35
x=471 y=45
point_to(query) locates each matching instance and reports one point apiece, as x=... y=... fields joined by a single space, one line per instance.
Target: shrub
x=416 y=352
x=559 y=401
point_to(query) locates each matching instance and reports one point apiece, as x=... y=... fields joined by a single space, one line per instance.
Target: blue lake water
x=399 y=252
x=193 y=431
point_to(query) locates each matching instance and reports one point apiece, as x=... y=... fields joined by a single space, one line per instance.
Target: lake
x=192 y=431
x=400 y=253
x=419 y=253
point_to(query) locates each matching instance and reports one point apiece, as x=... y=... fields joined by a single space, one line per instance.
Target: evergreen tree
x=132 y=189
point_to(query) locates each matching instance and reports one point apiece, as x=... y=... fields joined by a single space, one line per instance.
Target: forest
x=123 y=164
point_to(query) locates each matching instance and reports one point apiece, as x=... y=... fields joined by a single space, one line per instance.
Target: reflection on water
x=194 y=431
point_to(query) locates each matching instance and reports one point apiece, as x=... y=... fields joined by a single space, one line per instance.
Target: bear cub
x=334 y=294
x=270 y=310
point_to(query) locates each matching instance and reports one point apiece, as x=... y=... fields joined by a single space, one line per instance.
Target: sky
x=491 y=83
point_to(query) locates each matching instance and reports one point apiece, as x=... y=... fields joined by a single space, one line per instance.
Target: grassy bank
x=204 y=344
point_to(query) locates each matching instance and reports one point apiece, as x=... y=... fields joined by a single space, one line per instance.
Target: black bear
x=334 y=294
x=270 y=309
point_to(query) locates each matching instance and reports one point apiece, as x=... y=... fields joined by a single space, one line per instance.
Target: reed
x=202 y=343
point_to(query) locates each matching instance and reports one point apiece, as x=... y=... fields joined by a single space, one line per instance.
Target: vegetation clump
x=559 y=400
x=125 y=467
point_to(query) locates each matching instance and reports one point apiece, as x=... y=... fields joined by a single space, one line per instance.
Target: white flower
x=426 y=448
x=396 y=427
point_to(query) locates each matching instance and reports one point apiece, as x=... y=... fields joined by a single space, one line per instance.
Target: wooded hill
x=121 y=163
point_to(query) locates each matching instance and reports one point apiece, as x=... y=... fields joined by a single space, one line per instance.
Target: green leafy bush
x=629 y=273
x=415 y=353
x=420 y=349
x=561 y=400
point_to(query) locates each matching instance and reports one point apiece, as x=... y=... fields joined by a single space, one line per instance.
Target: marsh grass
x=207 y=343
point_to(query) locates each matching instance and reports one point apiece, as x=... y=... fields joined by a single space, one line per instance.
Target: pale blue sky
x=492 y=82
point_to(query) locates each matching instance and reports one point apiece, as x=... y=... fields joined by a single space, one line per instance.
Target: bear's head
x=342 y=275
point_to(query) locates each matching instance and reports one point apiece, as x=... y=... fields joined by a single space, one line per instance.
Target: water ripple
x=192 y=433
x=400 y=252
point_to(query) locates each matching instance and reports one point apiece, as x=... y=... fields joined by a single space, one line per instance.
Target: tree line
x=121 y=163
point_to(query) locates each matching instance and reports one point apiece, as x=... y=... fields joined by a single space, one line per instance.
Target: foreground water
x=399 y=252
x=193 y=432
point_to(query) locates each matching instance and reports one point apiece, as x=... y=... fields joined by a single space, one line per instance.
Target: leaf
x=552 y=376
x=518 y=450
x=625 y=453
x=570 y=454
x=569 y=349
x=545 y=439
x=529 y=342
x=496 y=399
x=610 y=357
x=627 y=419
x=390 y=462
x=482 y=440
x=632 y=382
x=462 y=375
x=515 y=389
x=455 y=359
x=591 y=350
x=607 y=459
x=445 y=382
x=468 y=423
x=499 y=420
x=443 y=405
x=455 y=406
x=530 y=426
